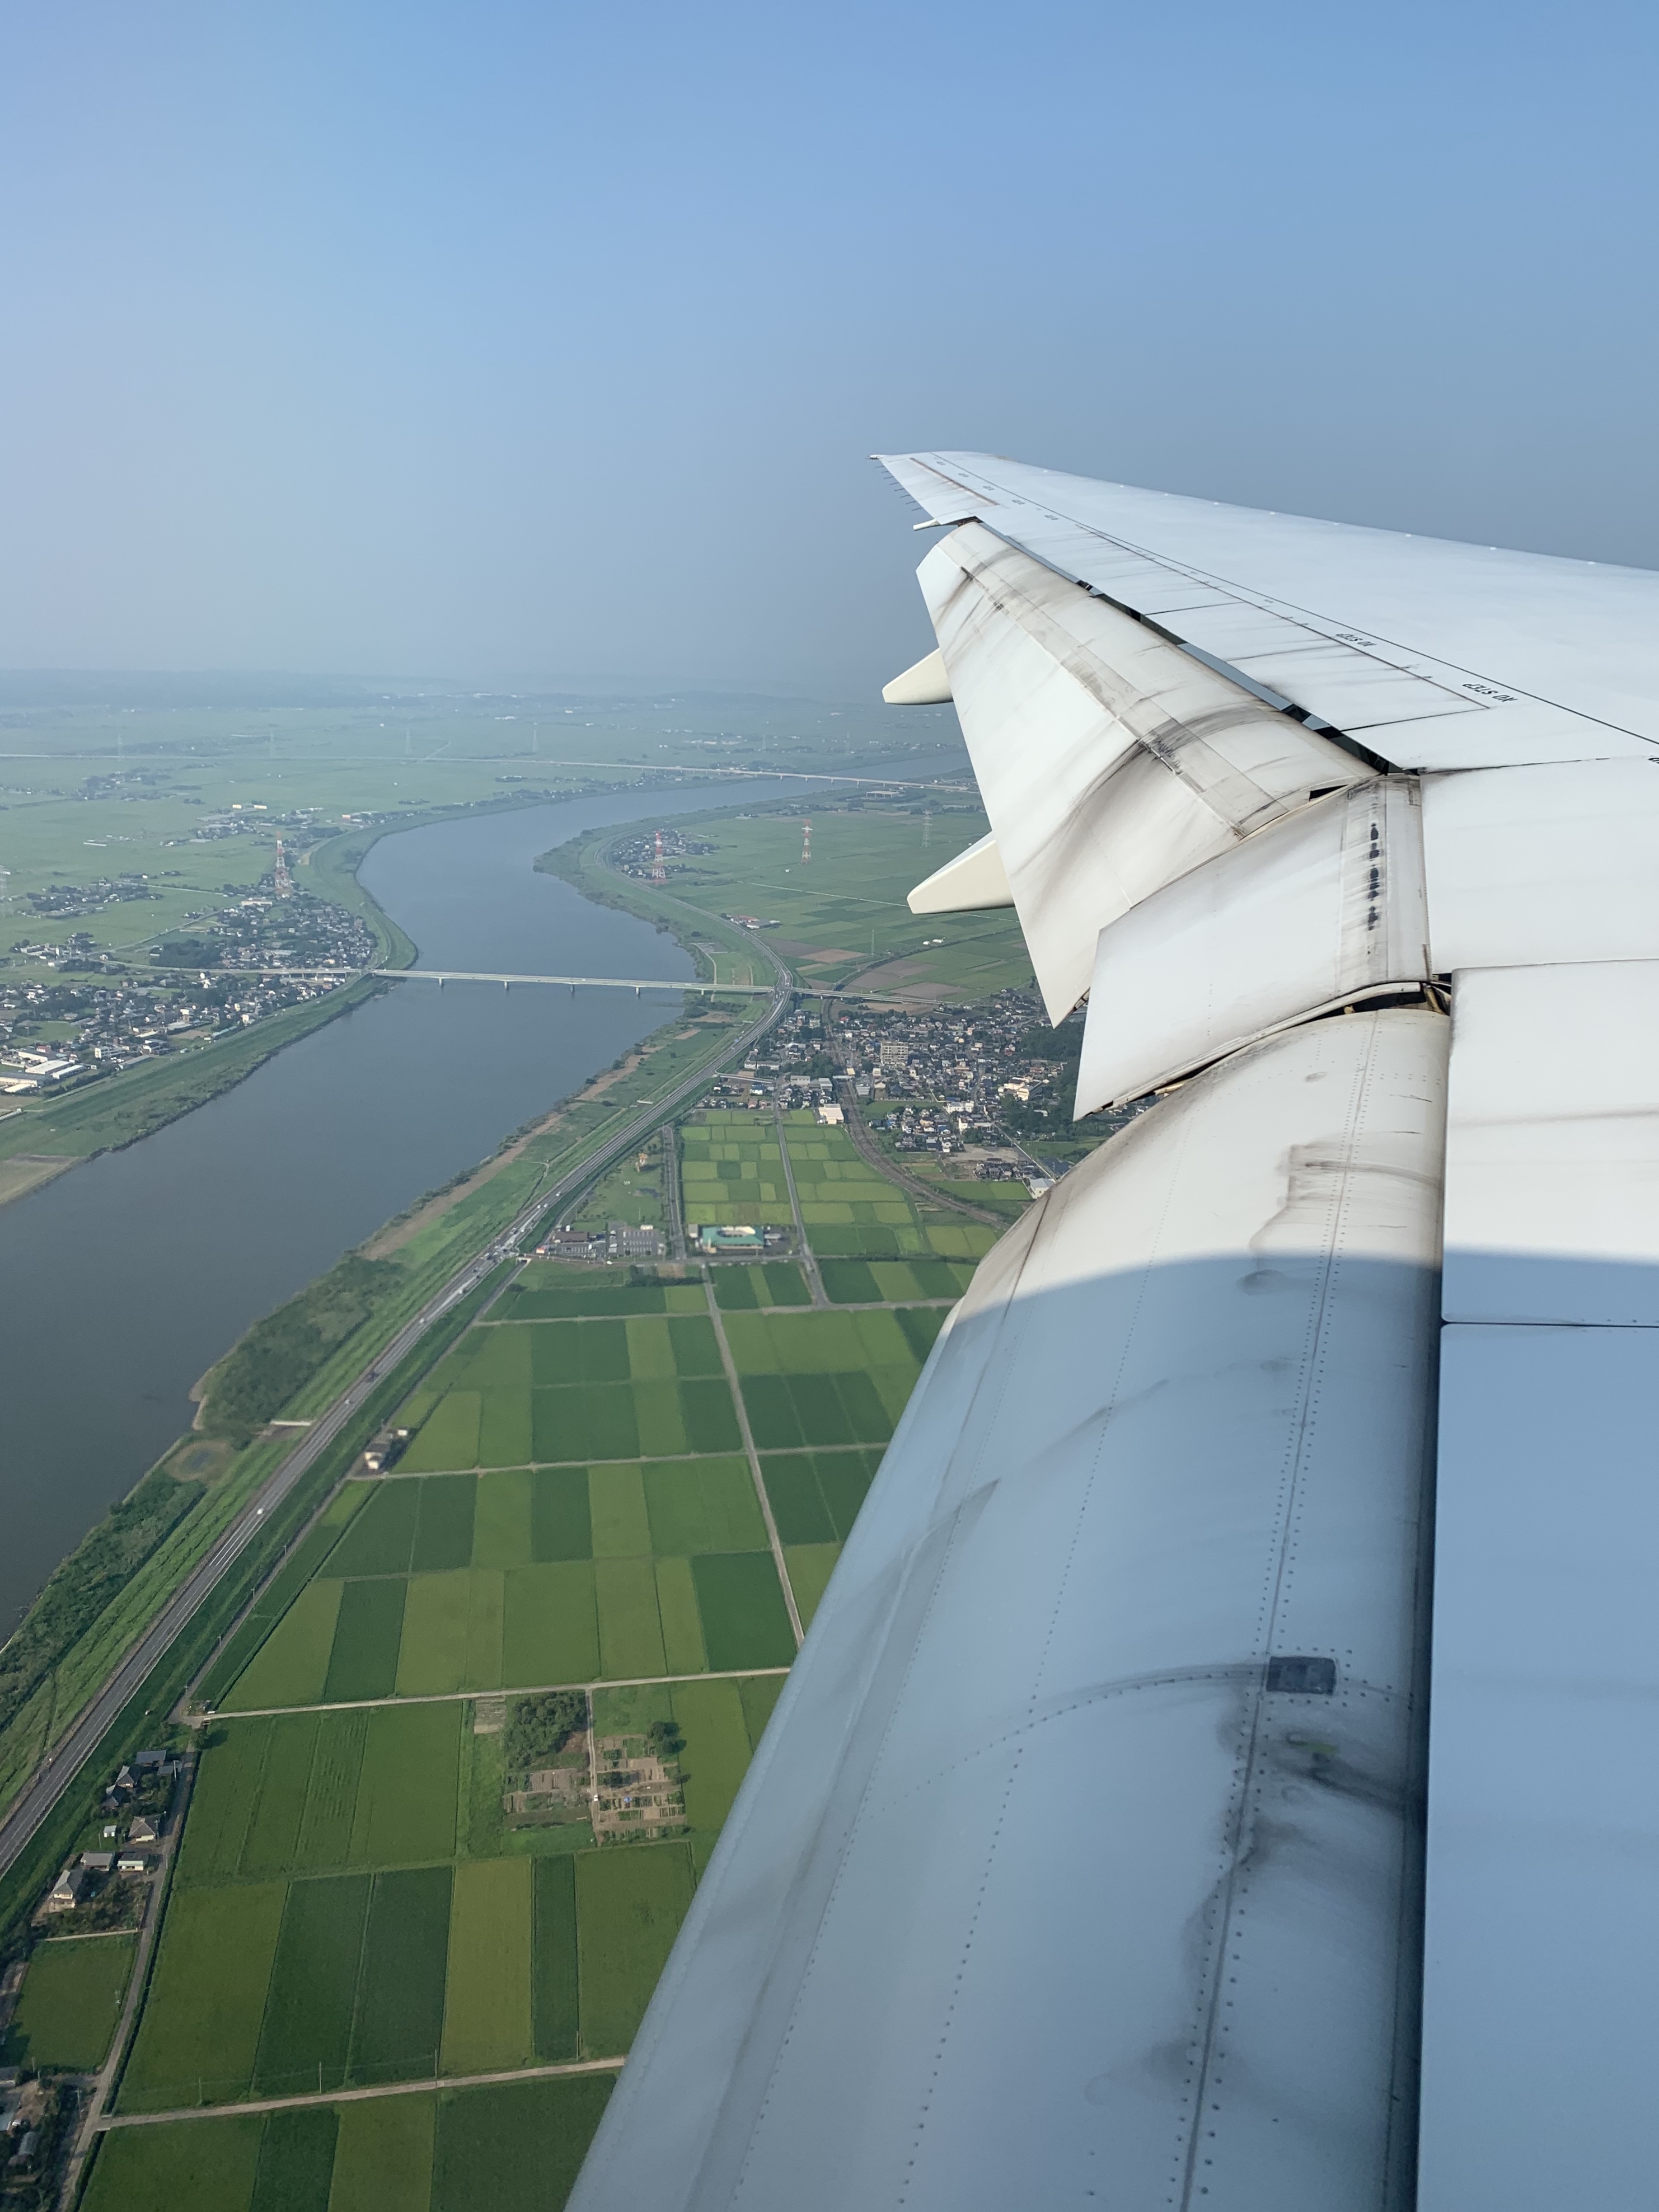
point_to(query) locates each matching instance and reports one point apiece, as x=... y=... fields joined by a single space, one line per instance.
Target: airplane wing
x=1117 y=1840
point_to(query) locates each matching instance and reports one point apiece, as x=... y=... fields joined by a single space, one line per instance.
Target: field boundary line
x=735 y=1386
x=809 y=1259
x=529 y=1690
x=424 y=2088
x=639 y=1458
x=564 y=1320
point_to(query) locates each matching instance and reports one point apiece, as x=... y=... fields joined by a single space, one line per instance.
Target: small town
x=990 y=1083
x=72 y=1014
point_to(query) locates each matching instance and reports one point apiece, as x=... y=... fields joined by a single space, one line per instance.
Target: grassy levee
x=279 y=1355
x=83 y=1664
x=843 y=919
x=90 y=1580
x=436 y=1246
x=581 y=862
x=146 y=1714
x=332 y=869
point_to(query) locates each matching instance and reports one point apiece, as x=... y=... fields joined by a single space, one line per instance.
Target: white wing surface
x=1080 y=1856
x=1436 y=655
x=1085 y=1859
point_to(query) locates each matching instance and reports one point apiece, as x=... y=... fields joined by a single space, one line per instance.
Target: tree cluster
x=539 y=1728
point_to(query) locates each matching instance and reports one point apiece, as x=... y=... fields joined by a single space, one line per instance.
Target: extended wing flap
x=1320 y=910
x=1109 y=761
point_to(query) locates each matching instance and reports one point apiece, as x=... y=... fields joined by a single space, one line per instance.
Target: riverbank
x=291 y=1366
x=40 y=1141
x=69 y=1654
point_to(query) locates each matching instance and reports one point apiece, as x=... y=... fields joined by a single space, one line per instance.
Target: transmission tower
x=659 y=873
x=282 y=882
x=806 y=842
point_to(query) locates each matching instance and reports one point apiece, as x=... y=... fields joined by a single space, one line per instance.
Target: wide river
x=122 y=1281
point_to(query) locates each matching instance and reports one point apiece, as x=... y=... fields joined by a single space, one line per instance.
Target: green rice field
x=71 y=2002
x=526 y=1578
x=515 y=2147
x=771 y=1283
x=603 y=1523
x=730 y=1172
x=350 y=1909
x=365 y=1899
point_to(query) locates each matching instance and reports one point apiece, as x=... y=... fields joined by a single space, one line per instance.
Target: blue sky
x=496 y=339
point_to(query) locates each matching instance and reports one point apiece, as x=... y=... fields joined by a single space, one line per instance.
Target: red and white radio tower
x=659 y=873
x=806 y=842
x=283 y=883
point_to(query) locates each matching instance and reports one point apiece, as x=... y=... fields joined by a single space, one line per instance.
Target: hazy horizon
x=509 y=339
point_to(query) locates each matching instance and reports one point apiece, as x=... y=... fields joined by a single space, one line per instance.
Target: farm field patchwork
x=731 y=1172
x=851 y=1211
x=770 y=1282
x=374 y=1890
x=528 y=1578
x=515 y=2147
x=838 y=1378
x=814 y=1498
x=622 y=1386
x=299 y=1956
x=848 y=907
x=893 y=1282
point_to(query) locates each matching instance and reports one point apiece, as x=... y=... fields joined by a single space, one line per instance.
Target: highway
x=62 y=1765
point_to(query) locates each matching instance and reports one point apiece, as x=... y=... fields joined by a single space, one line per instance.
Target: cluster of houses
x=131 y=1836
x=385 y=1447
x=24 y=2108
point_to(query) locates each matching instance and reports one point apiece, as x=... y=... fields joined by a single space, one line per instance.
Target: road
x=102 y=2087
x=673 y=1212
x=51 y=1780
x=808 y=1257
